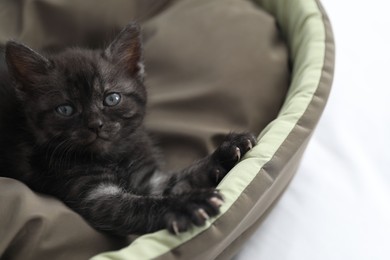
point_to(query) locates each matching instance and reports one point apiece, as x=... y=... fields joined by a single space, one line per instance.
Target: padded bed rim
x=272 y=163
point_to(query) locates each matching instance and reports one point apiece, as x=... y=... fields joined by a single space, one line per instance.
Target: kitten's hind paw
x=193 y=208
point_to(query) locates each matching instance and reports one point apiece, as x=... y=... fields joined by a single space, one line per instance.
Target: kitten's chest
x=135 y=175
x=130 y=175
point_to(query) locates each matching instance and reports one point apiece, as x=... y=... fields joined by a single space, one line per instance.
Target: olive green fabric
x=33 y=226
x=213 y=67
x=211 y=70
x=254 y=184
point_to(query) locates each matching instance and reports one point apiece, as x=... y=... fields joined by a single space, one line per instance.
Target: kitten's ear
x=126 y=50
x=24 y=64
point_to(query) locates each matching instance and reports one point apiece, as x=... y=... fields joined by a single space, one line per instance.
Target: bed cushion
x=256 y=182
x=34 y=226
x=214 y=66
x=211 y=70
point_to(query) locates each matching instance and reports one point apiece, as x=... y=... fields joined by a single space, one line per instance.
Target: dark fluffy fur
x=99 y=160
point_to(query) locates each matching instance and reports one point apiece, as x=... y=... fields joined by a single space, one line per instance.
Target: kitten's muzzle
x=95 y=125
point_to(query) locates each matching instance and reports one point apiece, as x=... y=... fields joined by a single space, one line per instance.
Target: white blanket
x=338 y=205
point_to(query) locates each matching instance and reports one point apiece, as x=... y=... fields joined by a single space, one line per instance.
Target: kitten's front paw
x=232 y=149
x=194 y=208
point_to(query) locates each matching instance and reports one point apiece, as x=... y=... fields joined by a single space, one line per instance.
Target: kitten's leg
x=228 y=154
x=199 y=180
x=108 y=207
x=178 y=201
x=209 y=171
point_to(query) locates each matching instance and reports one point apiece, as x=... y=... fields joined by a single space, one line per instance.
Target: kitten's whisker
x=52 y=162
x=68 y=152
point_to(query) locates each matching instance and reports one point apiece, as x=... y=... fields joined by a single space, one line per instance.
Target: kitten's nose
x=95 y=125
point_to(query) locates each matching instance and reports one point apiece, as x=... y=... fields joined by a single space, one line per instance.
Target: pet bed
x=249 y=83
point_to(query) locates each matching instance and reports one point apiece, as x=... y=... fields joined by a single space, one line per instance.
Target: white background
x=338 y=204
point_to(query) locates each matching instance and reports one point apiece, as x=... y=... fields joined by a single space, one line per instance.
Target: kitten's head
x=92 y=99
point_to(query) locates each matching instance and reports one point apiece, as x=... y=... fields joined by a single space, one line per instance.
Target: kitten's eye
x=65 y=110
x=112 y=99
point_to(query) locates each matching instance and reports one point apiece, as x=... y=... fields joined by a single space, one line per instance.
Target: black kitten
x=71 y=127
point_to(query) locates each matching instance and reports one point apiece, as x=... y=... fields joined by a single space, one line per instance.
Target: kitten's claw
x=203 y=214
x=217 y=202
x=175 y=228
x=238 y=153
x=250 y=146
x=194 y=208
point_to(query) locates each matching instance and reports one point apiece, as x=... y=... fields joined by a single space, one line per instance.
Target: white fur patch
x=103 y=190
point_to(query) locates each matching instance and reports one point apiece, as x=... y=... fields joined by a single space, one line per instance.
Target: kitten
x=71 y=126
